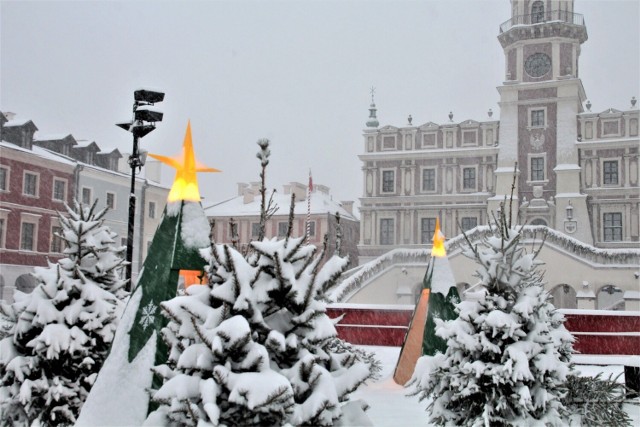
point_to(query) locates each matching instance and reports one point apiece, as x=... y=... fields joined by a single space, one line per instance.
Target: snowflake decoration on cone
x=148 y=314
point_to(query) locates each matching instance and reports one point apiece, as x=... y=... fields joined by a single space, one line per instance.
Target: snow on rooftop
x=321 y=203
x=40 y=152
x=50 y=137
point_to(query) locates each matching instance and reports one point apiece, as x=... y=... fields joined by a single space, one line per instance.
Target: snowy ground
x=390 y=406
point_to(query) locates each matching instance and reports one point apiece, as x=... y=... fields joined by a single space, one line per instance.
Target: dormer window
x=537 y=12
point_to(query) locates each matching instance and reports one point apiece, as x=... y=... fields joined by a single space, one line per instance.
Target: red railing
x=596 y=332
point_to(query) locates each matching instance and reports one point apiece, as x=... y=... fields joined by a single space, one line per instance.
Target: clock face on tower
x=537 y=65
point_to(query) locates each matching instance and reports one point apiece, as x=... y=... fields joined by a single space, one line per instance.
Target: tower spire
x=373 y=120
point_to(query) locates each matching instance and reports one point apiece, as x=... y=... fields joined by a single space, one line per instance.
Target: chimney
x=152 y=169
x=347 y=205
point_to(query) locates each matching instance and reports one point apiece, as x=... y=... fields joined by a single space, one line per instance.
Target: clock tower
x=540 y=99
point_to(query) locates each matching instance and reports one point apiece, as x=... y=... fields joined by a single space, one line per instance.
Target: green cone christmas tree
x=443 y=295
x=437 y=301
x=121 y=393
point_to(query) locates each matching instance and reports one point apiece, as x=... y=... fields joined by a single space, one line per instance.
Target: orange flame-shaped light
x=438 y=249
x=185 y=185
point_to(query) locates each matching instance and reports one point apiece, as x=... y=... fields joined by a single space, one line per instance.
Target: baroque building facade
x=571 y=171
x=577 y=170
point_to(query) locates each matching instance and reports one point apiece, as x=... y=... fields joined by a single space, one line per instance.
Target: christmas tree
x=120 y=396
x=508 y=353
x=62 y=331
x=255 y=346
x=437 y=301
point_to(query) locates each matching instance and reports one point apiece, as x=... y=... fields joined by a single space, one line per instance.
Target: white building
x=577 y=170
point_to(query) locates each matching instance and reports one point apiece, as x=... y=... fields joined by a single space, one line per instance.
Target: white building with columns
x=576 y=171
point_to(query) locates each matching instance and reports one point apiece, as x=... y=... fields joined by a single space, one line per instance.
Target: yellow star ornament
x=185 y=184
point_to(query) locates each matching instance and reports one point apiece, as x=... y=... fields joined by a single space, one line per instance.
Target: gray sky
x=295 y=72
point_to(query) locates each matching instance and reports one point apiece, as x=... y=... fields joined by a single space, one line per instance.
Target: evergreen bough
x=62 y=331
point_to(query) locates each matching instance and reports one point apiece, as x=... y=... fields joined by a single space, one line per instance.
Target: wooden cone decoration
x=437 y=300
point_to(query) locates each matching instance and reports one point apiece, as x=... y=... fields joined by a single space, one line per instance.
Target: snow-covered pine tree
x=255 y=346
x=508 y=354
x=64 y=328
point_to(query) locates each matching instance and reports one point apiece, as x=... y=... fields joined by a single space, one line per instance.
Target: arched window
x=539 y=221
x=564 y=296
x=26 y=283
x=610 y=297
x=537 y=12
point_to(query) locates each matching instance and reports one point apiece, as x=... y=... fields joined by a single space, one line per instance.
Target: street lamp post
x=144 y=121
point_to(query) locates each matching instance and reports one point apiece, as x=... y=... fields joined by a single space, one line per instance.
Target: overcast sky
x=295 y=72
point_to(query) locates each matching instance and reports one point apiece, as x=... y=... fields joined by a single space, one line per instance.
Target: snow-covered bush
x=508 y=353
x=62 y=331
x=256 y=347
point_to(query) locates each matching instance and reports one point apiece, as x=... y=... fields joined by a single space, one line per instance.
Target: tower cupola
x=373 y=120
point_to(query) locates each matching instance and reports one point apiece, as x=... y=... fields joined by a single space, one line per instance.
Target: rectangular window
x=467 y=223
x=613 y=227
x=429 y=140
x=59 y=190
x=152 y=210
x=388 y=181
x=469 y=138
x=123 y=241
x=429 y=180
x=469 y=178
x=312 y=228
x=27 y=234
x=2 y=228
x=610 y=127
x=282 y=229
x=30 y=187
x=111 y=200
x=389 y=143
x=86 y=196
x=610 y=172
x=537 y=118
x=4 y=179
x=56 y=240
x=428 y=227
x=387 y=235
x=255 y=229
x=537 y=169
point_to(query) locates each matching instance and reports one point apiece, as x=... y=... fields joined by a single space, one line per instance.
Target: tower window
x=537 y=118
x=612 y=227
x=386 y=231
x=537 y=169
x=537 y=12
x=610 y=172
